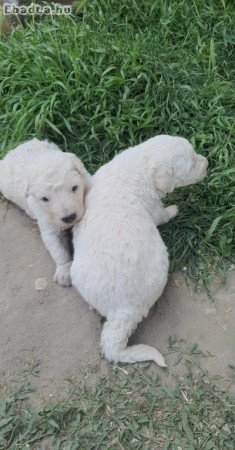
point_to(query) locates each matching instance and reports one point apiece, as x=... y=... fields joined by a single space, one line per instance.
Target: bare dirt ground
x=56 y=327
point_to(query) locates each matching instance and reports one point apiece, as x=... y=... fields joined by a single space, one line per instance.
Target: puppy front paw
x=172 y=211
x=62 y=274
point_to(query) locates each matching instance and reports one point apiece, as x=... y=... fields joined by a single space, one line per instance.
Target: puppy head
x=178 y=165
x=58 y=194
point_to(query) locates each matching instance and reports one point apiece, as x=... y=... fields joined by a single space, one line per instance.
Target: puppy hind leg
x=114 y=338
x=171 y=211
x=166 y=214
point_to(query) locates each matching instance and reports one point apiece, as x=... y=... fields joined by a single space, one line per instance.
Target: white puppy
x=50 y=186
x=120 y=262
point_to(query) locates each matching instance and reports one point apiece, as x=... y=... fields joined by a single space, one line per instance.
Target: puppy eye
x=45 y=199
x=74 y=188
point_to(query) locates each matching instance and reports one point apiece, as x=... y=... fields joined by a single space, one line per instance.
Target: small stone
x=210 y=311
x=226 y=428
x=40 y=284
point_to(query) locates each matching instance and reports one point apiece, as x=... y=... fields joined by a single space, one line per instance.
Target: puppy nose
x=69 y=219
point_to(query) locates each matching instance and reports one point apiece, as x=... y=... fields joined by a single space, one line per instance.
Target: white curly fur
x=120 y=262
x=37 y=170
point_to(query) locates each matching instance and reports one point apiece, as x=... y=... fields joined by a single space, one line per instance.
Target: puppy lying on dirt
x=50 y=186
x=120 y=263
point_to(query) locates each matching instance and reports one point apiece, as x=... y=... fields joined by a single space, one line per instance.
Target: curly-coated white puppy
x=120 y=262
x=50 y=186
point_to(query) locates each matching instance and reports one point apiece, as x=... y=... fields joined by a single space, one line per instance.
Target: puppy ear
x=79 y=167
x=164 y=179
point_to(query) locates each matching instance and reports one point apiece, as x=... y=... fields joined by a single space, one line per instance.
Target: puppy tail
x=114 y=338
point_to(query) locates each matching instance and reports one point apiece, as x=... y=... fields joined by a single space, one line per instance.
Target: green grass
x=128 y=409
x=120 y=72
